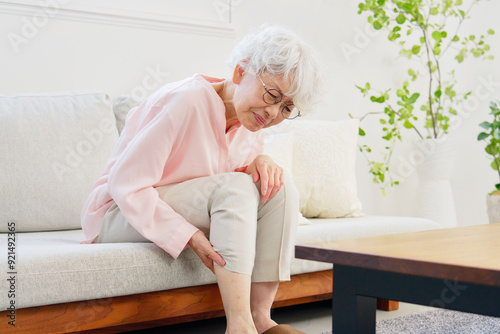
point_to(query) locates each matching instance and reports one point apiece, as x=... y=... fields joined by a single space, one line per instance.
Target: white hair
x=277 y=51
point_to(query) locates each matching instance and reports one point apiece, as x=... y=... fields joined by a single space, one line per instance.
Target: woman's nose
x=272 y=110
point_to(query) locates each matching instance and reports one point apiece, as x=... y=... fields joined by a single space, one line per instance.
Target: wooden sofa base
x=146 y=310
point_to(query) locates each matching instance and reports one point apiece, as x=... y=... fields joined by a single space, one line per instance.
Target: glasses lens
x=272 y=96
x=290 y=112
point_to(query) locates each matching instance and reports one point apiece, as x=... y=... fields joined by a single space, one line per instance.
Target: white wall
x=118 y=56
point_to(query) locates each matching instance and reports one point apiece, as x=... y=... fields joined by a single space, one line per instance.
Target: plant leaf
x=407 y=124
x=492 y=149
x=437 y=36
x=485 y=125
x=482 y=135
x=494 y=165
x=413 y=98
x=401 y=18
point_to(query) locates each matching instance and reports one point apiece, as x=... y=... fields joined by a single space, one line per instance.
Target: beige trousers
x=254 y=238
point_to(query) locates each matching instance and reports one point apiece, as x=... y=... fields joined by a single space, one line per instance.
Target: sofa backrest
x=53 y=147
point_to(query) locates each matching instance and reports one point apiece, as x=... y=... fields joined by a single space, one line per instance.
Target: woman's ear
x=238 y=73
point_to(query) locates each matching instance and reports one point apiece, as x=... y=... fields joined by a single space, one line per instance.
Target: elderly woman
x=188 y=164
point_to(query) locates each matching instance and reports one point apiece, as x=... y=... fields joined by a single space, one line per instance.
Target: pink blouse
x=177 y=134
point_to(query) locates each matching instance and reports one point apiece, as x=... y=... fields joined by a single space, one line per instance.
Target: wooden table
x=457 y=268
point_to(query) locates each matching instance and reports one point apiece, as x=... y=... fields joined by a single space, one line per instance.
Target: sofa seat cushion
x=53 y=267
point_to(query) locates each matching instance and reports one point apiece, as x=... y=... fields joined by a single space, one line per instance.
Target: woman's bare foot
x=240 y=325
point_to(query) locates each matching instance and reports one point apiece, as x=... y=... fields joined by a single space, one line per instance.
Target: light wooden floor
x=314 y=318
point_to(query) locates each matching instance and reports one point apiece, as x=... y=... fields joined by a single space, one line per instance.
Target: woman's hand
x=203 y=248
x=263 y=168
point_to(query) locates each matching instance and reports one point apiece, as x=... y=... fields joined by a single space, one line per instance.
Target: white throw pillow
x=323 y=166
x=53 y=148
x=279 y=146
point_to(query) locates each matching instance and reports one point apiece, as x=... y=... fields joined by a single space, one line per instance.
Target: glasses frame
x=269 y=91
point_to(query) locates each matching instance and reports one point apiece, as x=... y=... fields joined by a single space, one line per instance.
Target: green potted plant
x=491 y=135
x=428 y=34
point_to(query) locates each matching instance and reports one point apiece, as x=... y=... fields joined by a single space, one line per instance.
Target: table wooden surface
x=471 y=253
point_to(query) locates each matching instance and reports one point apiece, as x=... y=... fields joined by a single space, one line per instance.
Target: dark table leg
x=352 y=313
x=355 y=291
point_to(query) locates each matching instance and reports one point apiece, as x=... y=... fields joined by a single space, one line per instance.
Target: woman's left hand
x=263 y=168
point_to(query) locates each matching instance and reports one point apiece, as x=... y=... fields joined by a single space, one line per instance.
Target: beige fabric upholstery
x=55 y=268
x=53 y=148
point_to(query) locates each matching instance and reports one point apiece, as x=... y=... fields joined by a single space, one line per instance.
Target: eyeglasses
x=274 y=96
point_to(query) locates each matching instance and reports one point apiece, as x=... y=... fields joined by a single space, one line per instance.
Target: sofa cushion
x=279 y=146
x=53 y=148
x=56 y=268
x=322 y=162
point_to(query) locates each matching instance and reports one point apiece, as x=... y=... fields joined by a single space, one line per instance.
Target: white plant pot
x=434 y=167
x=493 y=204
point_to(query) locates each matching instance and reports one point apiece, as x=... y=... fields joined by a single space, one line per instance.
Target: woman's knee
x=242 y=184
x=236 y=190
x=288 y=192
x=241 y=179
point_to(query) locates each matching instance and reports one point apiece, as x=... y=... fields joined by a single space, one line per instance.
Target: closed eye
x=288 y=108
x=275 y=94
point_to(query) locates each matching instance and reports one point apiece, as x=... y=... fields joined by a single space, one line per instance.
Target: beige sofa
x=54 y=147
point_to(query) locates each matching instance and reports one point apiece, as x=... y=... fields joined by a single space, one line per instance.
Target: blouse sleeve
x=131 y=185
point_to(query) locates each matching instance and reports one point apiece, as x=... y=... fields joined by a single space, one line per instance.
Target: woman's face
x=251 y=109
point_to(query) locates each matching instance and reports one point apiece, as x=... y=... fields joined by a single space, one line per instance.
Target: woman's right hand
x=205 y=251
